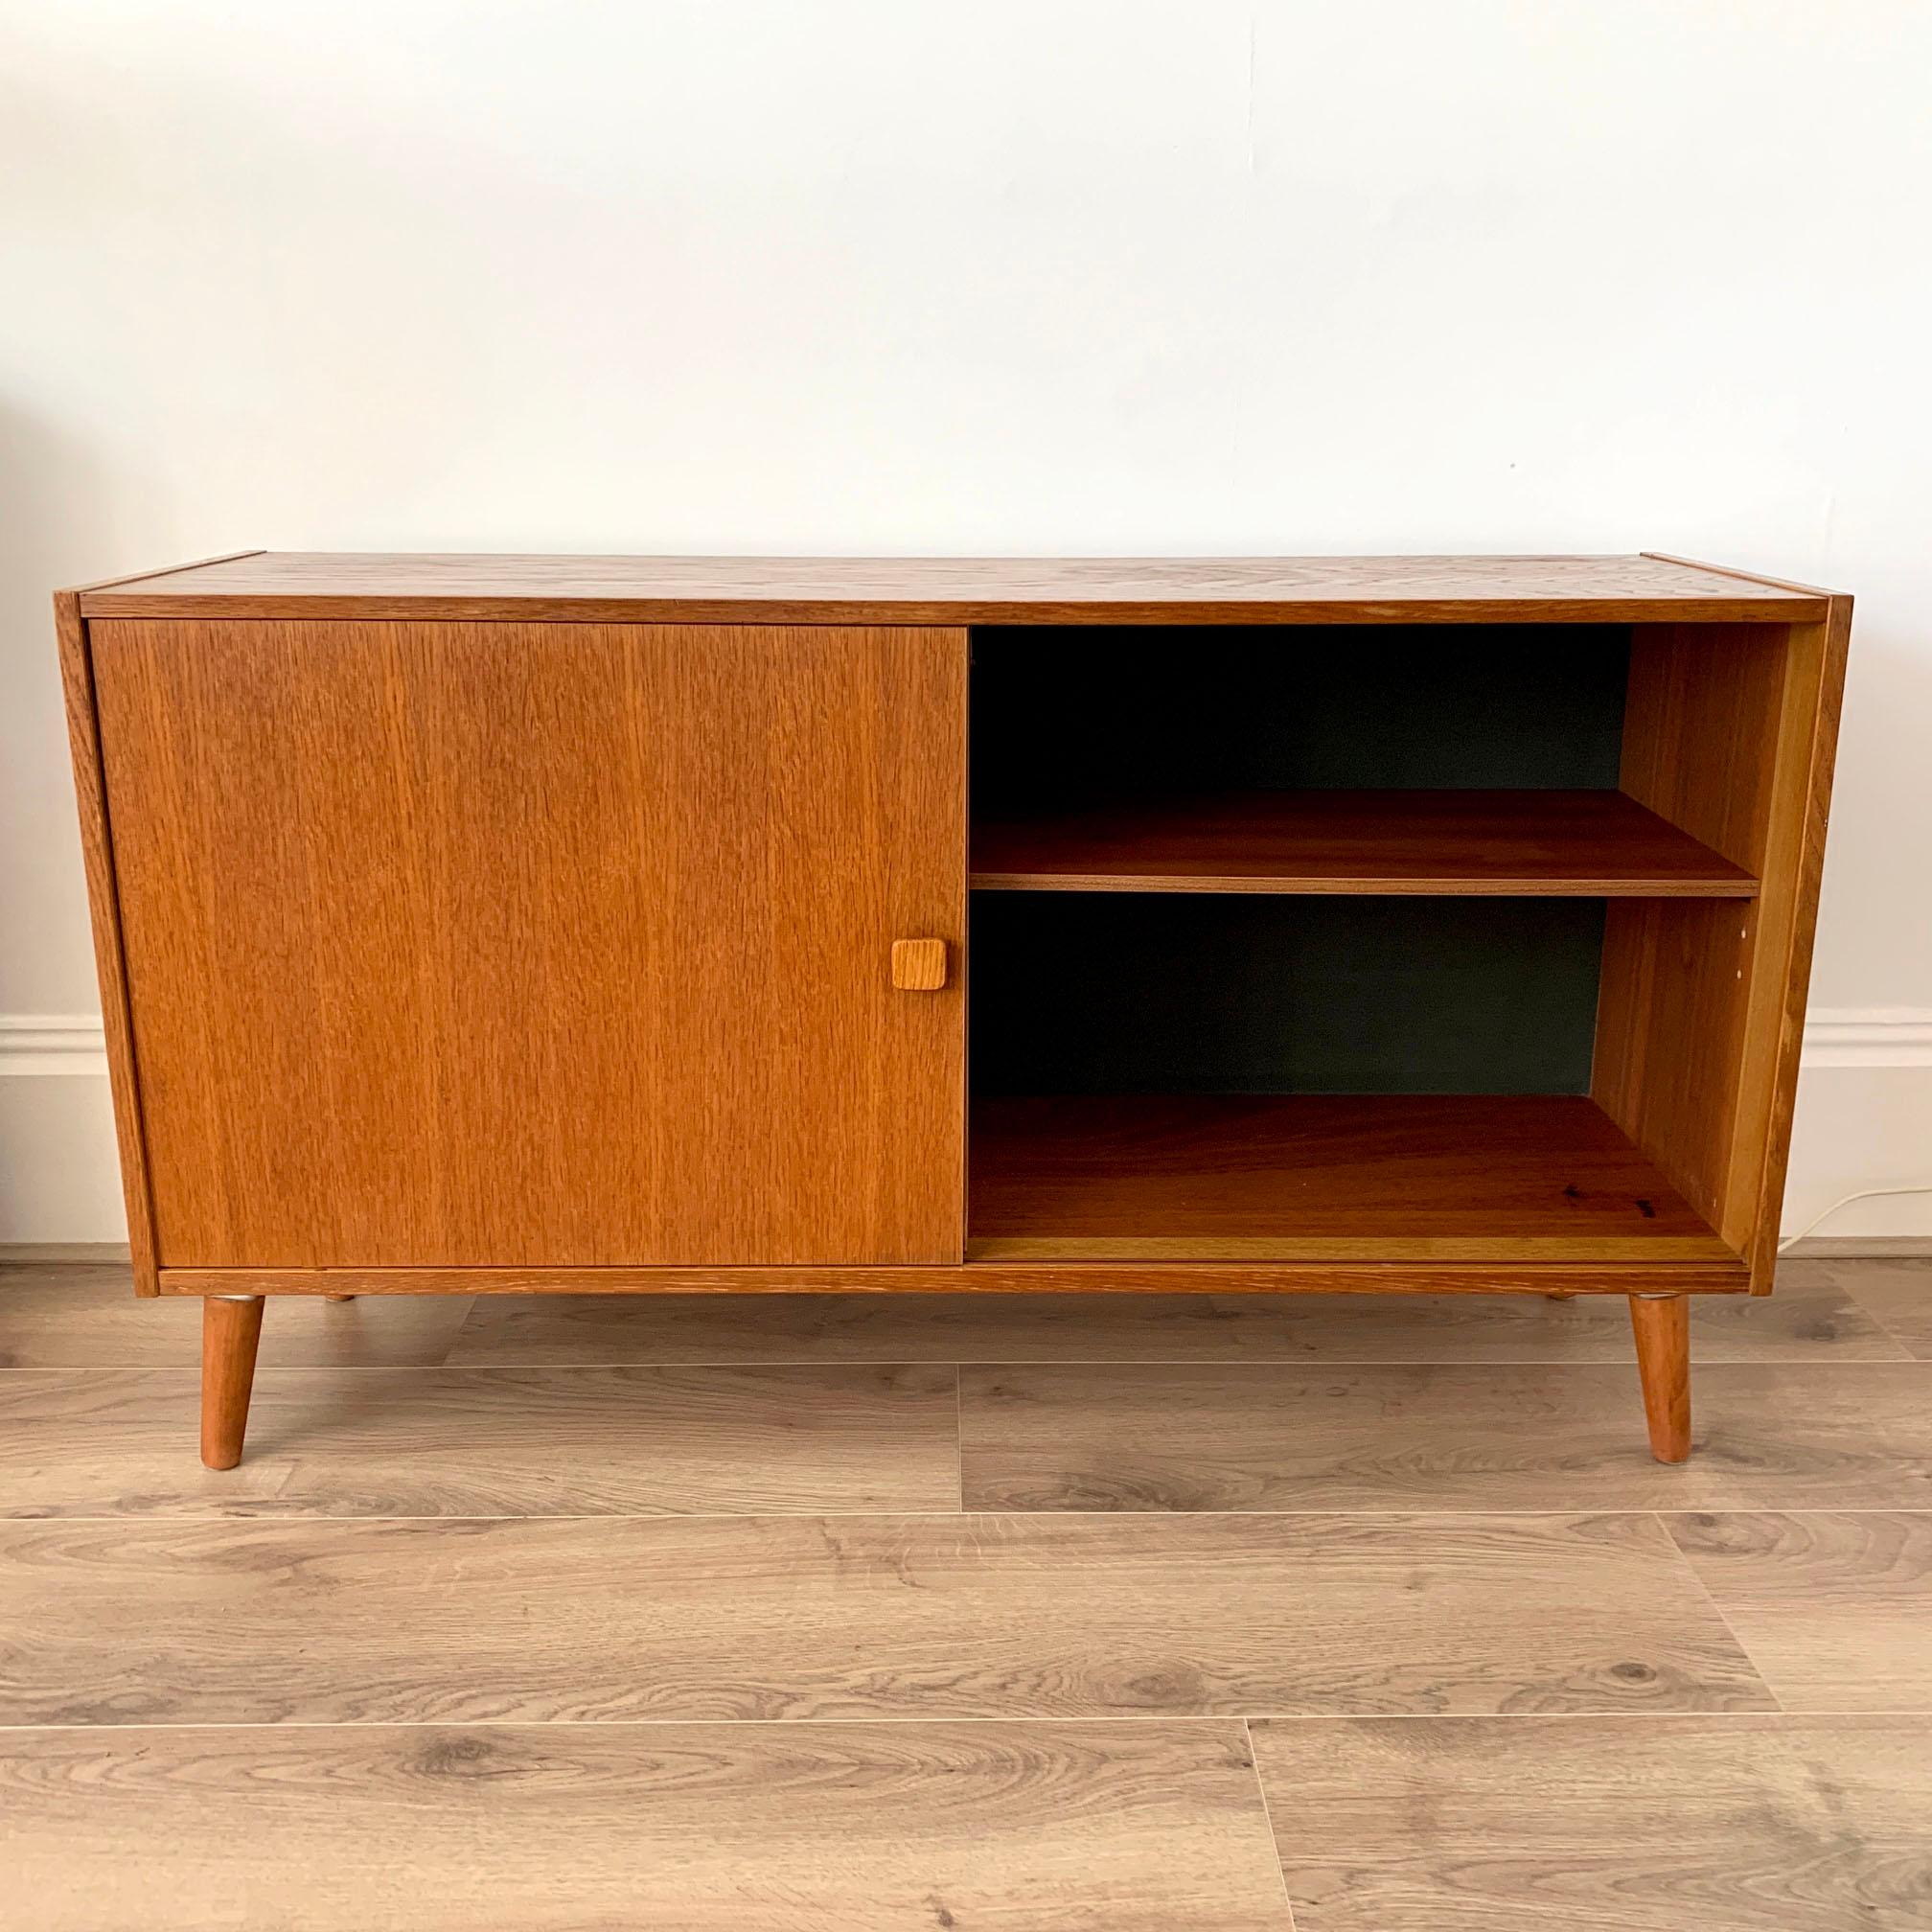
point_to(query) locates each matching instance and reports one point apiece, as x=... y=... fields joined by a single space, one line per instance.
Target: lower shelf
x=1319 y=1178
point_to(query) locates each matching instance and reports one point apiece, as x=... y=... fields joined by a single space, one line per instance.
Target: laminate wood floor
x=733 y=1826
x=955 y=1612
x=1474 y=1825
x=1898 y=1295
x=380 y=1442
x=1264 y=1436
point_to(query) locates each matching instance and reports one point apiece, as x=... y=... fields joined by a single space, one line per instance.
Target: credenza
x=483 y=925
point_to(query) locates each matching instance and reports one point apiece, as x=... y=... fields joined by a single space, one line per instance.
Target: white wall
x=873 y=275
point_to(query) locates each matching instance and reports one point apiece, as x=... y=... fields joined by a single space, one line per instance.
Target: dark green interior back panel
x=1186 y=992
x=1206 y=993
x=1066 y=716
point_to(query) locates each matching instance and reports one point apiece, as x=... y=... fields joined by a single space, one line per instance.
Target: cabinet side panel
x=76 y=679
x=547 y=945
x=1700 y=727
x=1671 y=1036
x=1797 y=861
x=1728 y=734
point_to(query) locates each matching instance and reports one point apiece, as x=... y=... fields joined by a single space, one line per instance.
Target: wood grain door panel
x=557 y=944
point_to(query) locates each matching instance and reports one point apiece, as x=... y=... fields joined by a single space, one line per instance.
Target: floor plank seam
x=1268 y=1818
x=1717 y=1608
x=455 y=1335
x=1878 y=1322
x=959 y=1430
x=1317 y=1362
x=269 y=1514
x=1856 y=1714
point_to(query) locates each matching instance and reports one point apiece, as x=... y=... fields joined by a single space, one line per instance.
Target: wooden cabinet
x=481 y=924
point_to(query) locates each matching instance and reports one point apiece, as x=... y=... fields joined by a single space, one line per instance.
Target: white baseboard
x=98 y=1251
x=52 y=1043
x=1864 y=1120
x=1860 y=1248
x=1834 y=1036
x=1868 y=1036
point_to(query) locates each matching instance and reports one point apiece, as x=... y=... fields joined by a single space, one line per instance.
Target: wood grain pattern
x=1572 y=844
x=1899 y=1293
x=1811 y=1319
x=471 y=894
x=148 y=577
x=103 y=903
x=1249 y=1437
x=1700 y=730
x=1758 y=577
x=1318 y=1177
x=79 y=1314
x=1835 y=1608
x=1732 y=1825
x=820 y=1827
x=489 y=1441
x=919 y=965
x=1671 y=1036
x=962 y=590
x=600 y=1619
x=1729 y=733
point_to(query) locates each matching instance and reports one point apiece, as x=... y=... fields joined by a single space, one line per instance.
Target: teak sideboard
x=509 y=923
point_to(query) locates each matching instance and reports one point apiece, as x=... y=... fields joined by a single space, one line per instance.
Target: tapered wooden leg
x=1662 y=1327
x=231 y=1325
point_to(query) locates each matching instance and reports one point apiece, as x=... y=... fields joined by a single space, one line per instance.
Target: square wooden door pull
x=919 y=965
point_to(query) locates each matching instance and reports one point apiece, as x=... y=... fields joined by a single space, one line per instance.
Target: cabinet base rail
x=1604 y=1275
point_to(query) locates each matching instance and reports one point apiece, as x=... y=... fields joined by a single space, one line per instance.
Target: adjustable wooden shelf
x=488 y=925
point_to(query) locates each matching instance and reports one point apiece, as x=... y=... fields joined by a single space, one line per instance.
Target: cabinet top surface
x=959 y=590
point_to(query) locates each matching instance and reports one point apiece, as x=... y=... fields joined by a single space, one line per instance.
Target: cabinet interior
x=1287 y=938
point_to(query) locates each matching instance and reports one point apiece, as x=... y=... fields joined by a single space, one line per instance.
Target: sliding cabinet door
x=540 y=944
